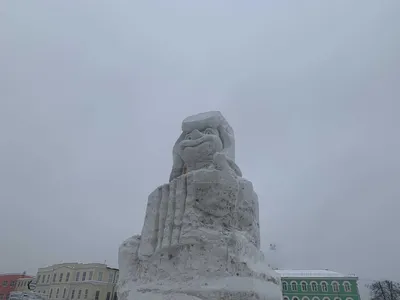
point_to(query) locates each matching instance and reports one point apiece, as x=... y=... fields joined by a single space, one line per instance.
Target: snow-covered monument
x=201 y=233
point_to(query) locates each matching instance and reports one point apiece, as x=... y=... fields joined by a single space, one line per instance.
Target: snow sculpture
x=27 y=295
x=201 y=237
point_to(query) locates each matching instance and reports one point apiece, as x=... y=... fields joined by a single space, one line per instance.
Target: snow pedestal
x=200 y=238
x=27 y=295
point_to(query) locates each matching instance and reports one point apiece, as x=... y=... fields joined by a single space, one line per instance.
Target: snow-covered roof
x=312 y=273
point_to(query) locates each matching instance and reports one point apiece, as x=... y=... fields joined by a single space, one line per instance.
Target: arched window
x=295 y=298
x=315 y=298
x=314 y=286
x=326 y=298
x=284 y=285
x=305 y=298
x=304 y=286
x=324 y=287
x=294 y=286
x=335 y=286
x=337 y=298
x=286 y=298
x=347 y=286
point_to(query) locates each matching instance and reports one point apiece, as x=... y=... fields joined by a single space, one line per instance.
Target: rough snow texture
x=27 y=295
x=201 y=237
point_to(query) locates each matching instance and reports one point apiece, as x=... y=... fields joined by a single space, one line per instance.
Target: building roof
x=21 y=275
x=74 y=265
x=313 y=273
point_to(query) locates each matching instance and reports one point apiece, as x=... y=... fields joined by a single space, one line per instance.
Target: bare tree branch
x=385 y=290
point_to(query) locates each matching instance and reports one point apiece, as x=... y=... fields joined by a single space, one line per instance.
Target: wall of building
x=320 y=288
x=22 y=284
x=74 y=281
x=8 y=284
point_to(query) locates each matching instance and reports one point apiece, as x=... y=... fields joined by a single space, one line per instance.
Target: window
x=117 y=277
x=64 y=292
x=38 y=278
x=295 y=298
x=115 y=296
x=43 y=278
x=324 y=287
x=77 y=276
x=67 y=277
x=286 y=298
x=315 y=298
x=5 y=283
x=304 y=286
x=73 y=294
x=110 y=277
x=335 y=286
x=51 y=292
x=79 y=294
x=108 y=296
x=347 y=287
x=294 y=286
x=86 y=293
x=90 y=275
x=337 y=298
x=54 y=277
x=314 y=287
x=306 y=298
x=100 y=277
x=97 y=295
x=61 y=277
x=83 y=276
x=284 y=285
x=326 y=298
x=48 y=278
x=58 y=291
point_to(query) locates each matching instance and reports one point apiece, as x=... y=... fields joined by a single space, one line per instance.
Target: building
x=22 y=284
x=318 y=285
x=8 y=284
x=76 y=281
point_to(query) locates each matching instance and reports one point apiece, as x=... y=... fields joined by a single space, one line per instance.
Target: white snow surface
x=27 y=295
x=312 y=273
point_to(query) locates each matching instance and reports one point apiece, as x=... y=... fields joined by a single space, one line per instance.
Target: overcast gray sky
x=92 y=95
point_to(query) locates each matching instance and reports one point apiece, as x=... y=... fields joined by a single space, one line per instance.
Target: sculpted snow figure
x=201 y=234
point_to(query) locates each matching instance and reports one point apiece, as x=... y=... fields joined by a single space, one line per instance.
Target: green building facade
x=318 y=285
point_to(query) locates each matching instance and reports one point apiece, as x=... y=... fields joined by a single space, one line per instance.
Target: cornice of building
x=314 y=274
x=73 y=265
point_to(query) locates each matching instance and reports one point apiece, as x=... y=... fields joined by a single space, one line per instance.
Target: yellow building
x=22 y=284
x=75 y=281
